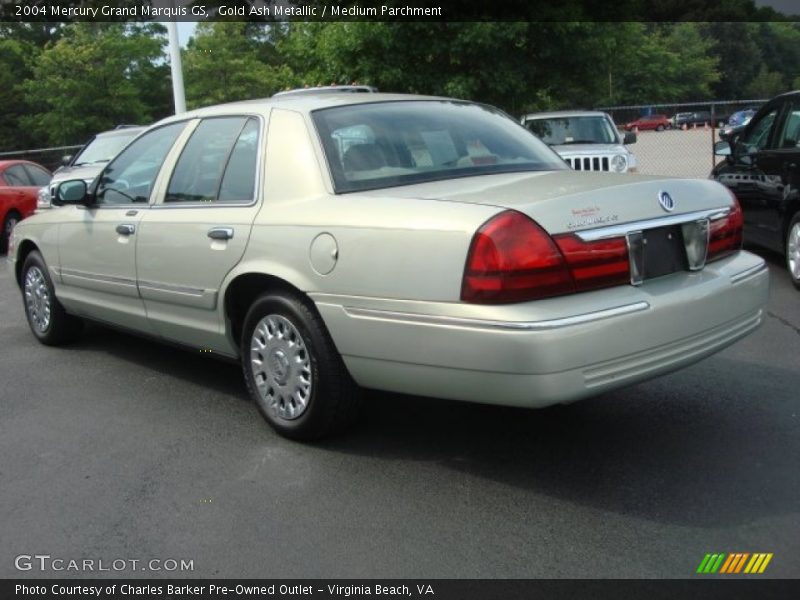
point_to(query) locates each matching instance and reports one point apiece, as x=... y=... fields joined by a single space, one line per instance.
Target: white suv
x=586 y=140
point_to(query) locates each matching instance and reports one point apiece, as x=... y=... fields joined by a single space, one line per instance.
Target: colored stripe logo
x=737 y=562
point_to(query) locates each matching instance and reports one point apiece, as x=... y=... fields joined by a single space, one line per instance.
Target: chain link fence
x=50 y=158
x=678 y=139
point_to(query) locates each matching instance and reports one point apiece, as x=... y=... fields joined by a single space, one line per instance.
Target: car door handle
x=125 y=229
x=220 y=233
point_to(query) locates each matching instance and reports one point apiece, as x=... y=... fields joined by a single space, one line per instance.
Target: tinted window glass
x=199 y=171
x=129 y=178
x=16 y=175
x=385 y=144
x=790 y=136
x=758 y=136
x=37 y=175
x=238 y=183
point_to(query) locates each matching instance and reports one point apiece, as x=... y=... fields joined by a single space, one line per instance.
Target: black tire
x=60 y=327
x=792 y=249
x=660 y=128
x=333 y=401
x=12 y=218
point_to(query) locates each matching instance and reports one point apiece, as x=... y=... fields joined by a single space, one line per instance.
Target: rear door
x=199 y=228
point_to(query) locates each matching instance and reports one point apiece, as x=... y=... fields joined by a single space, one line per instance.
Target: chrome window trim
x=545 y=325
x=160 y=202
x=612 y=231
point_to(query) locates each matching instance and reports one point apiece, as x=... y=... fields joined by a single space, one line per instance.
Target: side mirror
x=66 y=159
x=630 y=137
x=722 y=149
x=72 y=192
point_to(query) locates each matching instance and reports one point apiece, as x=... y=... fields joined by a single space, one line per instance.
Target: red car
x=20 y=181
x=657 y=122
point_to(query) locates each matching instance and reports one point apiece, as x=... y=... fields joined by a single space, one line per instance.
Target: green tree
x=15 y=68
x=95 y=77
x=228 y=61
x=765 y=85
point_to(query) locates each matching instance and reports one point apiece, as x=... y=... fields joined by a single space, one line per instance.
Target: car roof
x=329 y=89
x=124 y=130
x=564 y=113
x=302 y=102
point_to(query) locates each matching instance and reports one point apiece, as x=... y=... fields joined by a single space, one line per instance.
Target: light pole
x=176 y=67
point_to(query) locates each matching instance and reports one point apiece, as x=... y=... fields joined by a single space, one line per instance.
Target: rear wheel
x=9 y=223
x=660 y=128
x=293 y=370
x=47 y=319
x=793 y=250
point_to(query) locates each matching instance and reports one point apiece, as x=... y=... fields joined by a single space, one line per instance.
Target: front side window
x=386 y=144
x=790 y=136
x=573 y=130
x=757 y=138
x=129 y=178
x=218 y=163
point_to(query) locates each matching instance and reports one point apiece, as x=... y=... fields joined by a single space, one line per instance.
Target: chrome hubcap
x=793 y=251
x=37 y=299
x=281 y=367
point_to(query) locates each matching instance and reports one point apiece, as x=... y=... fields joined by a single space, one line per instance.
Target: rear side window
x=37 y=175
x=16 y=175
x=218 y=163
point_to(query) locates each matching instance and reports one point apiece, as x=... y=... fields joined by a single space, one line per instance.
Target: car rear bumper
x=548 y=351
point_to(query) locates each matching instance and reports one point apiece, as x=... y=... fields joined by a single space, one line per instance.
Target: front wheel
x=47 y=319
x=293 y=370
x=793 y=250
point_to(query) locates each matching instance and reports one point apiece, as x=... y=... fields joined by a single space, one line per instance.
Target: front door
x=97 y=244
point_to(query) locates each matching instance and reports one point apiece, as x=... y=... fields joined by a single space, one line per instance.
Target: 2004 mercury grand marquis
x=413 y=244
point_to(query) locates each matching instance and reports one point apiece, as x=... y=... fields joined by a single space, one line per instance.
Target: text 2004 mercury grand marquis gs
x=413 y=244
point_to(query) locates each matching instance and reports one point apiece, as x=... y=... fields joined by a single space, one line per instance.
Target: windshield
x=386 y=144
x=103 y=149
x=558 y=131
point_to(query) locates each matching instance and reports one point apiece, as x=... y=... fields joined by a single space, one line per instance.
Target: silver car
x=586 y=140
x=405 y=243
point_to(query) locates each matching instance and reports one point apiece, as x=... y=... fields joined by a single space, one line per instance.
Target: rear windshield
x=386 y=144
x=558 y=131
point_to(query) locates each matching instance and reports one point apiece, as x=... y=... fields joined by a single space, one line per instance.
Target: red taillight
x=598 y=264
x=725 y=234
x=512 y=259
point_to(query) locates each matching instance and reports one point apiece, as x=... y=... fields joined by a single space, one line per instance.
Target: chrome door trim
x=545 y=325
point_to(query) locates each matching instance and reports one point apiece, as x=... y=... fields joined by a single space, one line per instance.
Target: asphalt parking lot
x=121 y=448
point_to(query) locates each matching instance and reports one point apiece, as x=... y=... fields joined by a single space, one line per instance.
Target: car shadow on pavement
x=682 y=449
x=714 y=445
